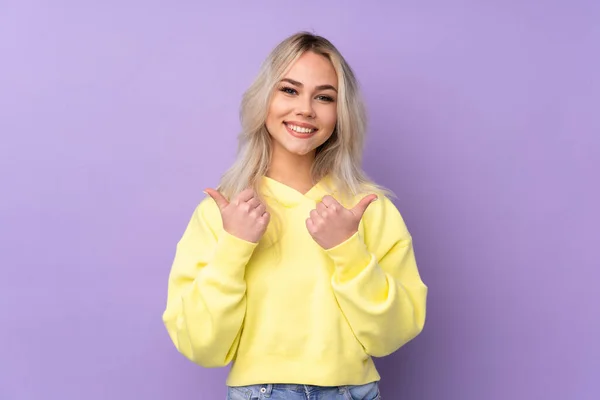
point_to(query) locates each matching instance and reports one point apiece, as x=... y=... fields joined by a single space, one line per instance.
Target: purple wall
x=115 y=115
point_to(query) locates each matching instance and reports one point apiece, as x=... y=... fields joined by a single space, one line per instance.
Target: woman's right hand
x=245 y=217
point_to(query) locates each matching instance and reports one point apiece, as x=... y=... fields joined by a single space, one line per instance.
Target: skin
x=305 y=97
x=245 y=217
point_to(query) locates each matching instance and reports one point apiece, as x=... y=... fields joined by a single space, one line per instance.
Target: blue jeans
x=370 y=391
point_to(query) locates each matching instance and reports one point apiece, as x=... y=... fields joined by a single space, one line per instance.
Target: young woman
x=297 y=269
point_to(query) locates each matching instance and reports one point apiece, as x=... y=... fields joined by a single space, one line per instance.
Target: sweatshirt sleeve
x=206 y=299
x=377 y=283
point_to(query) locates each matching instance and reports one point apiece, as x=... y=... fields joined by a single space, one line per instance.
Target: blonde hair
x=340 y=156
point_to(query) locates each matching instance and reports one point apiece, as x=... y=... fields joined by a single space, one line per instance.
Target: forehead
x=312 y=69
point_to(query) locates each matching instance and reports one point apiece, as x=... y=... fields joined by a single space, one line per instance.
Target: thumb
x=362 y=205
x=218 y=198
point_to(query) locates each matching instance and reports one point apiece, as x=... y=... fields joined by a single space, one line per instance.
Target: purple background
x=485 y=121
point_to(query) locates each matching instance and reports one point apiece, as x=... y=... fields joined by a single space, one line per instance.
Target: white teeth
x=299 y=129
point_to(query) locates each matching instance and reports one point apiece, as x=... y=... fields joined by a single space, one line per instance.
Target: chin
x=300 y=152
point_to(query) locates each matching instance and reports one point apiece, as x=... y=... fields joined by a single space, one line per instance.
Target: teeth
x=300 y=129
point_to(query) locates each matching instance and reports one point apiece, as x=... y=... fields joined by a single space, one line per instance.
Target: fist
x=330 y=224
x=245 y=217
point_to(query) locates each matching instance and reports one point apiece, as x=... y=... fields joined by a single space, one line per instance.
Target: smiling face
x=303 y=110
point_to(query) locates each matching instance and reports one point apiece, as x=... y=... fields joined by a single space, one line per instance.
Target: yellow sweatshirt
x=293 y=312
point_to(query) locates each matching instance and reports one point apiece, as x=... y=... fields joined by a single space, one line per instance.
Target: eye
x=288 y=90
x=326 y=99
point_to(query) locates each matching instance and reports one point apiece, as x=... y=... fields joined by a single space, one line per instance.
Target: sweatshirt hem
x=282 y=370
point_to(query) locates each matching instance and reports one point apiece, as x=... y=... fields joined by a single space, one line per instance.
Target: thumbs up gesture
x=245 y=217
x=331 y=223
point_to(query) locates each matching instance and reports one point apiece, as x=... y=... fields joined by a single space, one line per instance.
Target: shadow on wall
x=429 y=204
x=403 y=373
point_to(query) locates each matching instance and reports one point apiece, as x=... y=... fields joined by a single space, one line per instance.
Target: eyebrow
x=299 y=84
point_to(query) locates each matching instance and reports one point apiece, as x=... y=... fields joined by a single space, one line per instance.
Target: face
x=303 y=110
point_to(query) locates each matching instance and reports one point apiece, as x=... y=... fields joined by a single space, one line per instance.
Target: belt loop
x=268 y=390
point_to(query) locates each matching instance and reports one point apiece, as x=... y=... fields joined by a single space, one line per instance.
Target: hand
x=331 y=224
x=245 y=217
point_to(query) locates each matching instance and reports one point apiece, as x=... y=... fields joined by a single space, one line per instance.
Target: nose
x=305 y=107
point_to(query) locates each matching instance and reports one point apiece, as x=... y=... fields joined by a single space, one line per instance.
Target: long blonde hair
x=340 y=156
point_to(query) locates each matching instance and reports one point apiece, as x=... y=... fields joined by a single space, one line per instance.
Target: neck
x=292 y=170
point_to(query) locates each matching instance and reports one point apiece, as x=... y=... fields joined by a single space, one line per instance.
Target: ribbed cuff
x=349 y=257
x=232 y=254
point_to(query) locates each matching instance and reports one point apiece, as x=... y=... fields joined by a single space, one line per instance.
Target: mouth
x=300 y=130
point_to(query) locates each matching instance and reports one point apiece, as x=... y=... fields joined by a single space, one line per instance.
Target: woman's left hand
x=330 y=224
